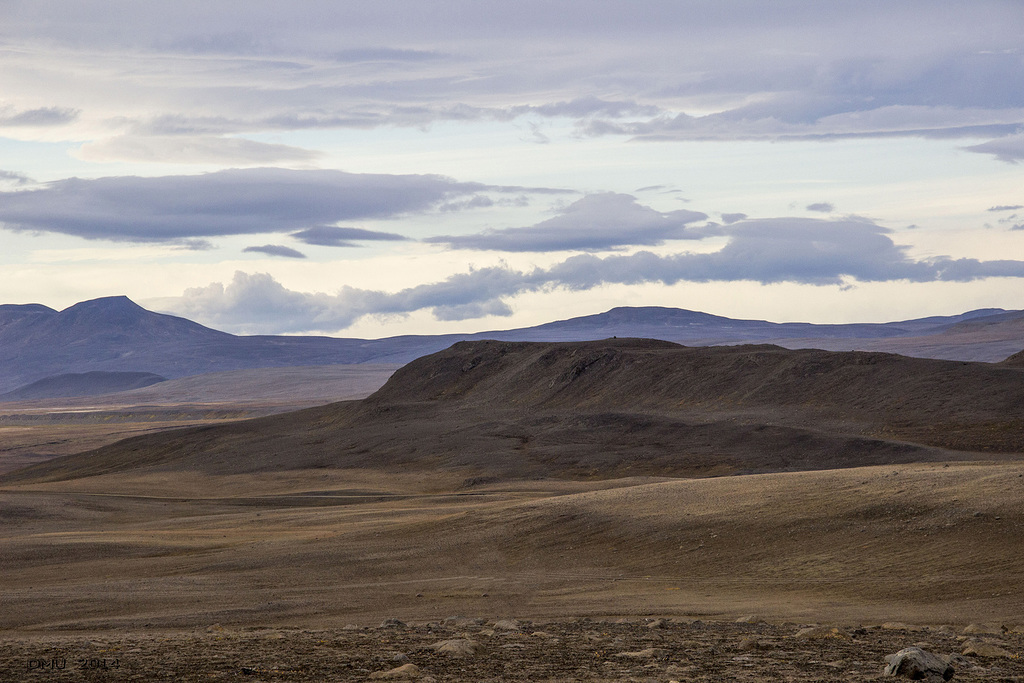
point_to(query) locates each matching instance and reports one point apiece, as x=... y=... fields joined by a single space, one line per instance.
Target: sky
x=369 y=169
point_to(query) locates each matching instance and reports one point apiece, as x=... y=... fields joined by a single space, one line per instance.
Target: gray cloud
x=42 y=117
x=1007 y=207
x=1009 y=149
x=729 y=218
x=231 y=202
x=801 y=250
x=386 y=54
x=332 y=236
x=821 y=207
x=15 y=178
x=276 y=250
x=769 y=70
x=594 y=223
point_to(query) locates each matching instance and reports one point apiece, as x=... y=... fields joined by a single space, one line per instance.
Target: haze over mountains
x=115 y=335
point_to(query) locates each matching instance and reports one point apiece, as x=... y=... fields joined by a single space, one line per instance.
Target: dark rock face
x=918 y=665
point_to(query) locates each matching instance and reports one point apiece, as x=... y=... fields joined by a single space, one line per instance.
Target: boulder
x=919 y=665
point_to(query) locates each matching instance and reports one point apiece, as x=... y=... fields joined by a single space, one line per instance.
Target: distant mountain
x=674 y=324
x=114 y=334
x=76 y=384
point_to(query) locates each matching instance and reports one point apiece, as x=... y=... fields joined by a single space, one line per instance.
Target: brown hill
x=612 y=408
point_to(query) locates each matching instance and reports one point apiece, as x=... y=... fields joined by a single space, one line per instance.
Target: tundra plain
x=585 y=489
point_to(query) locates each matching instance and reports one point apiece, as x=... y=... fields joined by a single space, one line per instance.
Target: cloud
x=15 y=178
x=386 y=54
x=763 y=70
x=231 y=202
x=594 y=223
x=332 y=236
x=1006 y=207
x=42 y=117
x=193 y=149
x=1009 y=149
x=798 y=250
x=821 y=207
x=276 y=250
x=729 y=218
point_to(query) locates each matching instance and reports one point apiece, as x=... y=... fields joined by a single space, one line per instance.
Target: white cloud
x=779 y=250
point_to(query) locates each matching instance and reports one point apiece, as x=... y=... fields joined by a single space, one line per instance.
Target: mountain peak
x=106 y=304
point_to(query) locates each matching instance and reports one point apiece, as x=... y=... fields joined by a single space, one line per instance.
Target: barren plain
x=598 y=511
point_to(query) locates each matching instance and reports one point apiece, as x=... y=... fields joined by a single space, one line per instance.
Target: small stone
x=900 y=626
x=649 y=653
x=458 y=647
x=749 y=619
x=750 y=644
x=392 y=623
x=917 y=664
x=404 y=671
x=507 y=625
x=822 y=632
x=657 y=623
x=978 y=648
x=986 y=629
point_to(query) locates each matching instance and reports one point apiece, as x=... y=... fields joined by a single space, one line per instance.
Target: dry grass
x=924 y=543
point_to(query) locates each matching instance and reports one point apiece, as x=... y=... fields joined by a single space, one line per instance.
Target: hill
x=511 y=410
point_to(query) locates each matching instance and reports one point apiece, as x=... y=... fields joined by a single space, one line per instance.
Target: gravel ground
x=573 y=650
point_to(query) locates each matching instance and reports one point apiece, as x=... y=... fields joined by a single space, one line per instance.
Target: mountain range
x=114 y=336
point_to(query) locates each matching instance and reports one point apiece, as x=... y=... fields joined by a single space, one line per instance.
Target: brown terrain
x=626 y=500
